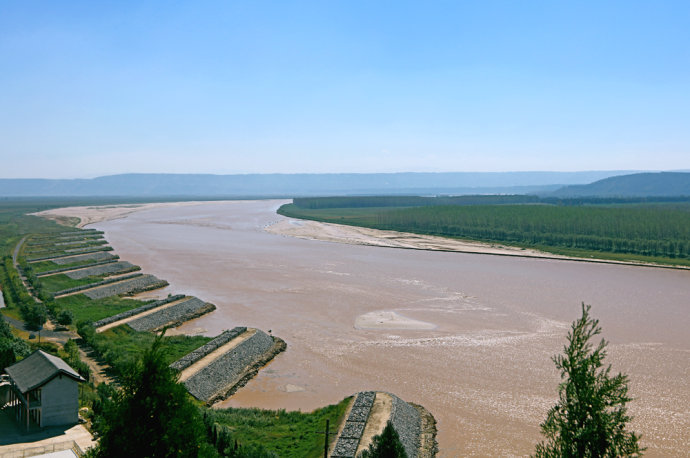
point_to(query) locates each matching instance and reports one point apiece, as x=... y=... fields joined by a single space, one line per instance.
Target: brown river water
x=479 y=355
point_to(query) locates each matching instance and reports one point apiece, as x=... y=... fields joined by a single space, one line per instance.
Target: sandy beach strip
x=97 y=213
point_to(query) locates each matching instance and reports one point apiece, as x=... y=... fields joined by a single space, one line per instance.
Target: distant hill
x=635 y=185
x=296 y=185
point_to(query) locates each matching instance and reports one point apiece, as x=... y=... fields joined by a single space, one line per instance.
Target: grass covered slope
x=287 y=434
x=653 y=232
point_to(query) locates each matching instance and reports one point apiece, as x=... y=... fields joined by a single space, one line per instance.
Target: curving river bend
x=468 y=336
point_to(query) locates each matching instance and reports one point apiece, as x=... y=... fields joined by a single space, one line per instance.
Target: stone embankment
x=67 y=269
x=66 y=255
x=172 y=316
x=408 y=423
x=96 y=257
x=234 y=369
x=136 y=311
x=96 y=284
x=348 y=440
x=415 y=426
x=113 y=268
x=129 y=287
x=194 y=356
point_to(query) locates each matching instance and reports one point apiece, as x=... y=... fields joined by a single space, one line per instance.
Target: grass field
x=288 y=434
x=85 y=309
x=121 y=345
x=58 y=282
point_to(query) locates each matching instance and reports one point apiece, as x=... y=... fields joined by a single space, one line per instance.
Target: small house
x=44 y=391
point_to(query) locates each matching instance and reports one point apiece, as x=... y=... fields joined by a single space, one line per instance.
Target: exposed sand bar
x=97 y=213
x=484 y=370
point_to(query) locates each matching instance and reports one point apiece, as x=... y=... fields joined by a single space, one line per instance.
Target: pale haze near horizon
x=92 y=88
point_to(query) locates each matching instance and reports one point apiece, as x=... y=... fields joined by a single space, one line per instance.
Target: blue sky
x=96 y=88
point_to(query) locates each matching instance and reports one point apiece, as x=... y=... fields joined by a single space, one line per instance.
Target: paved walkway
x=13 y=439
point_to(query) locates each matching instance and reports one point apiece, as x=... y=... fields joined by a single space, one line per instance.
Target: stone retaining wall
x=63 y=269
x=228 y=370
x=45 y=258
x=95 y=285
x=408 y=424
x=405 y=419
x=194 y=356
x=97 y=256
x=346 y=446
x=135 y=285
x=172 y=316
x=136 y=311
x=119 y=267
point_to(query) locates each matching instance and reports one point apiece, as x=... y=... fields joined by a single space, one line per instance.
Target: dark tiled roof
x=38 y=368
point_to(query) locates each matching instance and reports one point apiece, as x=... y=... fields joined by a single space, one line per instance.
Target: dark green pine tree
x=152 y=414
x=386 y=445
x=590 y=417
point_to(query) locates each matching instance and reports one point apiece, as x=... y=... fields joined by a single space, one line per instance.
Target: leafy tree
x=65 y=317
x=590 y=417
x=152 y=414
x=11 y=347
x=35 y=316
x=385 y=445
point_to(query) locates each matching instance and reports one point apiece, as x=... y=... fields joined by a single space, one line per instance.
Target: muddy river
x=468 y=336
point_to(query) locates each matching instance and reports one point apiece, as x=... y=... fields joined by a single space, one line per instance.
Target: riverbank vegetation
x=621 y=229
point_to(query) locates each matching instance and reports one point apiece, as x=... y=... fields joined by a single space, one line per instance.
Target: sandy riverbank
x=97 y=213
x=328 y=232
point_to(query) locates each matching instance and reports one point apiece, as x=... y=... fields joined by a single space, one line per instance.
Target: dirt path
x=215 y=354
x=378 y=417
x=98 y=371
x=140 y=315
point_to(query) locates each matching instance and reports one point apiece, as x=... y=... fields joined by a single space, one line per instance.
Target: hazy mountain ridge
x=290 y=185
x=634 y=185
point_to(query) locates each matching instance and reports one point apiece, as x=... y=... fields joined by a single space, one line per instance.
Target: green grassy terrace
x=287 y=434
x=121 y=345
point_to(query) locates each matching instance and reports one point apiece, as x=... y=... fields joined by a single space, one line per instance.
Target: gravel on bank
x=135 y=285
x=119 y=267
x=136 y=311
x=228 y=371
x=347 y=442
x=172 y=316
x=406 y=420
x=97 y=256
x=194 y=356
x=408 y=424
x=65 y=269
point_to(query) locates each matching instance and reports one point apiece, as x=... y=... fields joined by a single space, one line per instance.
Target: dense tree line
x=409 y=201
x=15 y=295
x=420 y=201
x=650 y=231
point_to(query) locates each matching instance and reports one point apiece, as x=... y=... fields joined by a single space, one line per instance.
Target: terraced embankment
x=47 y=273
x=368 y=416
x=132 y=314
x=222 y=371
x=70 y=259
x=173 y=315
x=119 y=267
x=211 y=372
x=131 y=285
